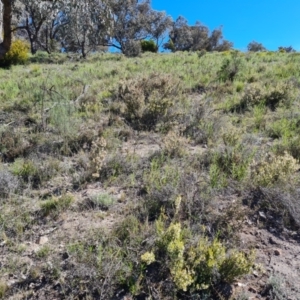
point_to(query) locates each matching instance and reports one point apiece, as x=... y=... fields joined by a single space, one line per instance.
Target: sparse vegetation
x=153 y=176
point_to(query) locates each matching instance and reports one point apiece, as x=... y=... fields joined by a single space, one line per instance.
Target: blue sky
x=273 y=23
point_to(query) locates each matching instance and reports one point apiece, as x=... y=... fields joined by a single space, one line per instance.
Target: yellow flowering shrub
x=148 y=258
x=272 y=169
x=194 y=267
x=18 y=54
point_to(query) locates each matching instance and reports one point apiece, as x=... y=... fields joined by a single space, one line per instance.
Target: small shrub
x=43 y=252
x=132 y=48
x=253 y=95
x=159 y=175
x=233 y=161
x=3 y=289
x=149 y=46
x=283 y=128
x=174 y=144
x=275 y=289
x=272 y=169
x=148 y=258
x=103 y=201
x=271 y=95
x=8 y=183
x=196 y=267
x=279 y=92
x=130 y=226
x=56 y=205
x=18 y=54
x=239 y=87
x=201 y=53
x=147 y=99
x=230 y=67
x=292 y=145
x=26 y=169
x=13 y=144
x=42 y=57
x=97 y=156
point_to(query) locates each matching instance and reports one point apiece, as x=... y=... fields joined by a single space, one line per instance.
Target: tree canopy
x=84 y=26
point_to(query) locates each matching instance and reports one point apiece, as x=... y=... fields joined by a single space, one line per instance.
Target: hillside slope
x=169 y=176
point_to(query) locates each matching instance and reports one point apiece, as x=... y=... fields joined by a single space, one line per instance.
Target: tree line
x=87 y=25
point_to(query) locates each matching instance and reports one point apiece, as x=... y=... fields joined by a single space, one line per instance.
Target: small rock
x=277 y=252
x=239 y=284
x=65 y=255
x=31 y=285
x=43 y=240
x=252 y=290
x=23 y=276
x=255 y=273
x=262 y=215
x=272 y=241
x=49 y=265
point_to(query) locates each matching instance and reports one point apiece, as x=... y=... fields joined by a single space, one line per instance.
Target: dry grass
x=94 y=152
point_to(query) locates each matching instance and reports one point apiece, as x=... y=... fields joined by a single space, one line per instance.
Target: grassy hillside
x=169 y=176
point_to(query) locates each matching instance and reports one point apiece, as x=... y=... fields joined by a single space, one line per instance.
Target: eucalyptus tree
x=133 y=21
x=88 y=27
x=255 y=47
x=216 y=42
x=41 y=20
x=158 y=26
x=6 y=7
x=183 y=37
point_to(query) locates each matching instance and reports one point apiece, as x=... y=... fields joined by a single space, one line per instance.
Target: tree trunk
x=5 y=23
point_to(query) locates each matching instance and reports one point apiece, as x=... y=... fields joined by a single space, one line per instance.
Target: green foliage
x=230 y=67
x=149 y=46
x=42 y=57
x=56 y=205
x=283 y=128
x=127 y=228
x=43 y=252
x=3 y=289
x=233 y=161
x=270 y=95
x=103 y=201
x=26 y=169
x=67 y=152
x=18 y=54
x=201 y=53
x=170 y=46
x=160 y=174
